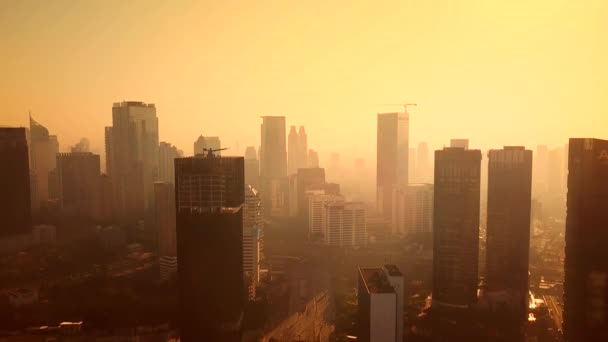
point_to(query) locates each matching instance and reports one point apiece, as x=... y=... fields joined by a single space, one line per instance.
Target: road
x=555 y=310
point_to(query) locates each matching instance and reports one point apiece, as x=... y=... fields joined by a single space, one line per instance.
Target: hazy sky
x=497 y=72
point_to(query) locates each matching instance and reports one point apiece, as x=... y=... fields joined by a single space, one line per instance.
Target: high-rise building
x=204 y=143
x=132 y=157
x=313 y=158
x=380 y=306
x=392 y=158
x=307 y=179
x=297 y=154
x=461 y=143
x=15 y=203
x=78 y=175
x=411 y=164
x=456 y=227
x=43 y=151
x=164 y=200
x=586 y=263
x=166 y=166
x=508 y=227
x=412 y=209
x=273 y=166
x=273 y=153
x=424 y=173
x=344 y=224
x=253 y=234
x=81 y=146
x=252 y=167
x=209 y=203
x=317 y=199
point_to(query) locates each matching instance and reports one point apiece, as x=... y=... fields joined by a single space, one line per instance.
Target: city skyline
x=523 y=74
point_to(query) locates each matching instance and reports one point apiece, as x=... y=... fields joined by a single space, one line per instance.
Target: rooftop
x=375 y=280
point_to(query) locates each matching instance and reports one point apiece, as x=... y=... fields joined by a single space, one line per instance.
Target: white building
x=316 y=206
x=253 y=233
x=166 y=165
x=344 y=224
x=380 y=314
x=412 y=209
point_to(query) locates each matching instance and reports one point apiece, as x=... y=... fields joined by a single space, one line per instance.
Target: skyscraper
x=43 y=151
x=313 y=158
x=273 y=154
x=413 y=209
x=292 y=148
x=462 y=143
x=164 y=200
x=317 y=199
x=252 y=167
x=203 y=143
x=586 y=263
x=508 y=227
x=78 y=176
x=253 y=233
x=456 y=227
x=345 y=224
x=166 y=166
x=209 y=202
x=380 y=304
x=132 y=157
x=297 y=154
x=15 y=204
x=307 y=179
x=273 y=166
x=392 y=158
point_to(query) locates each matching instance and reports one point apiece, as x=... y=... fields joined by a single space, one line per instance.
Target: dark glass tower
x=209 y=199
x=456 y=227
x=586 y=264
x=508 y=230
x=15 y=205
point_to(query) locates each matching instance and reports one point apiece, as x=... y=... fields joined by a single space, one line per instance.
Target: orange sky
x=519 y=72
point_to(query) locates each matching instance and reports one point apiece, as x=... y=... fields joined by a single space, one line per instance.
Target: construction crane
x=210 y=151
x=404 y=105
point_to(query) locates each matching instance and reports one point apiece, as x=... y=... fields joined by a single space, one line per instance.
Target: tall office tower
x=461 y=143
x=456 y=227
x=380 y=306
x=344 y=224
x=302 y=151
x=15 y=203
x=273 y=153
x=209 y=202
x=586 y=263
x=392 y=154
x=307 y=179
x=132 y=157
x=424 y=173
x=166 y=166
x=43 y=151
x=78 y=178
x=413 y=210
x=81 y=146
x=164 y=200
x=292 y=148
x=508 y=227
x=554 y=174
x=297 y=156
x=313 y=158
x=204 y=143
x=253 y=233
x=273 y=166
x=317 y=199
x=252 y=167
